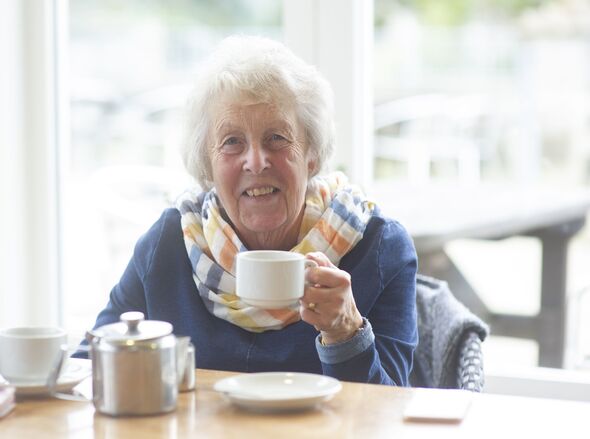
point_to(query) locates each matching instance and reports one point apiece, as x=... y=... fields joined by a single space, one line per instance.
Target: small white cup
x=271 y=279
x=28 y=354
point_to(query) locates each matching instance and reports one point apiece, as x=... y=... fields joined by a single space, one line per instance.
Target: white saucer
x=278 y=391
x=74 y=371
x=269 y=303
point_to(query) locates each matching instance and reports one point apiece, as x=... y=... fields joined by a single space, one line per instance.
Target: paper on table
x=438 y=405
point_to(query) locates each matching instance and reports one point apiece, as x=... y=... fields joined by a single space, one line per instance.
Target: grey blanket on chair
x=443 y=322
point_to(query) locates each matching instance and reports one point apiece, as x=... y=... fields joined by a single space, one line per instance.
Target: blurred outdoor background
x=497 y=90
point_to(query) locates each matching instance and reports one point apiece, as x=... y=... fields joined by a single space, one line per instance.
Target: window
x=503 y=86
x=489 y=92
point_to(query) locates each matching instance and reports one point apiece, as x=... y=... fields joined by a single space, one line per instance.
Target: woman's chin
x=263 y=224
x=262 y=216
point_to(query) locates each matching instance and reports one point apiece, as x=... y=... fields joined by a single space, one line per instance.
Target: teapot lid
x=133 y=327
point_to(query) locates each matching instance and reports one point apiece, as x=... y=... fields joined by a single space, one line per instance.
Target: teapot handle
x=185 y=364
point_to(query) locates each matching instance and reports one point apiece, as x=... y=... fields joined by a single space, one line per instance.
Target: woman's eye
x=232 y=144
x=277 y=141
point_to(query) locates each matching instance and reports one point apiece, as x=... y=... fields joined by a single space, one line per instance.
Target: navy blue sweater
x=158 y=282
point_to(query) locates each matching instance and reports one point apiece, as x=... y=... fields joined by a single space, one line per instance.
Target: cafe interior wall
x=417 y=51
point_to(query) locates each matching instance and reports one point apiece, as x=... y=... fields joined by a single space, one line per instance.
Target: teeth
x=260 y=191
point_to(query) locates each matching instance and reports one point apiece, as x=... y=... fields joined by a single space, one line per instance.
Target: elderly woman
x=259 y=132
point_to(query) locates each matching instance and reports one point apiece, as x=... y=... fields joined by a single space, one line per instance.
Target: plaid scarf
x=336 y=215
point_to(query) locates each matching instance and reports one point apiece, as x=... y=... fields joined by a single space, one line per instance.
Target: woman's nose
x=256 y=159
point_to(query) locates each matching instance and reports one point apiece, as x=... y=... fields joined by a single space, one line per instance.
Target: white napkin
x=6 y=400
x=84 y=388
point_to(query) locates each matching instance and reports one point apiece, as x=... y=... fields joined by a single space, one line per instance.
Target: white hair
x=264 y=71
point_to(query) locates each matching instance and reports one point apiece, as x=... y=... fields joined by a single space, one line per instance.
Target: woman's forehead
x=275 y=99
x=234 y=112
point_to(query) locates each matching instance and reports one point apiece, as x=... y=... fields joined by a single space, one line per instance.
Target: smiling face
x=260 y=169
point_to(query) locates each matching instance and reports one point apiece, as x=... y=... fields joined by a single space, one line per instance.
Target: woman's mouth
x=260 y=191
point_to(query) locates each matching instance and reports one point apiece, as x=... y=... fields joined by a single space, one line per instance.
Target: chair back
x=449 y=352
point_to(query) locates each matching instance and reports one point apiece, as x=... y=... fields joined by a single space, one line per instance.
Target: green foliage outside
x=184 y=12
x=454 y=12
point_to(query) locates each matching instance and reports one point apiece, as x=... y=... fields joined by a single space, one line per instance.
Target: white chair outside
x=423 y=129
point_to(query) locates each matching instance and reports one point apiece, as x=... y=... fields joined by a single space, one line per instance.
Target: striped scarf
x=336 y=215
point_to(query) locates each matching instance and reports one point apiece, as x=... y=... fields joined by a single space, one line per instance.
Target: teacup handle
x=309 y=263
x=56 y=371
x=57 y=367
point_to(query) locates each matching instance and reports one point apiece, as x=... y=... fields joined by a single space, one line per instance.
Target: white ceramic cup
x=271 y=279
x=28 y=354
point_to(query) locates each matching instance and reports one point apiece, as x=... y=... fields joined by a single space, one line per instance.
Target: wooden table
x=358 y=411
x=438 y=214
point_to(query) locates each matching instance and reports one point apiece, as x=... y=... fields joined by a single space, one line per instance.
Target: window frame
x=338 y=39
x=29 y=264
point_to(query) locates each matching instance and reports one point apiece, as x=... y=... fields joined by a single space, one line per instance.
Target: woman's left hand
x=328 y=303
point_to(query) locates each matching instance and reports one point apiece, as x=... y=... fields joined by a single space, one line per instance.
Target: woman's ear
x=311 y=166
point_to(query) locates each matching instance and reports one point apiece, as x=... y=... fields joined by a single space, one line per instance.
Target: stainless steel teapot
x=138 y=366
